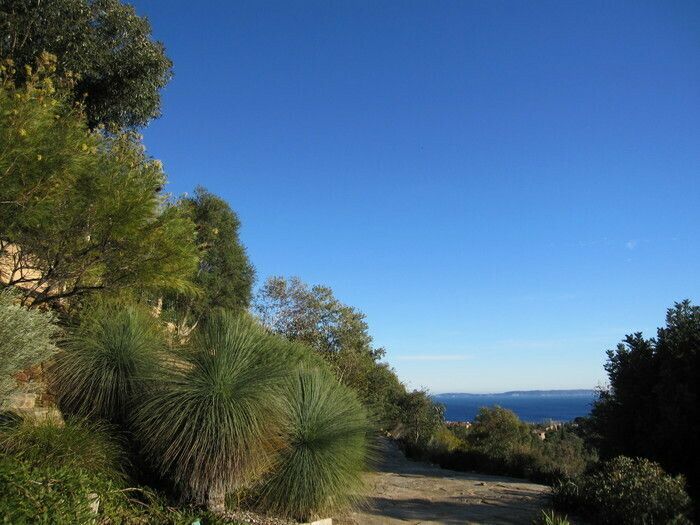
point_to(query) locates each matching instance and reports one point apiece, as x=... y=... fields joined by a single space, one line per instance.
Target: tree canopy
x=648 y=409
x=225 y=275
x=80 y=210
x=312 y=315
x=119 y=68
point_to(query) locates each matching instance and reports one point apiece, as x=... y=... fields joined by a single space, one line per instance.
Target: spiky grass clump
x=213 y=420
x=320 y=469
x=75 y=444
x=107 y=362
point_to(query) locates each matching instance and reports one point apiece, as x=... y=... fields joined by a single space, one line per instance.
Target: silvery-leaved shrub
x=26 y=338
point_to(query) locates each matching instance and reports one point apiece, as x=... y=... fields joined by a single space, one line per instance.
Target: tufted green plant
x=107 y=361
x=212 y=421
x=320 y=468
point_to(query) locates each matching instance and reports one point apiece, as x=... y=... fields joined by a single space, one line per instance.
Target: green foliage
x=212 y=419
x=26 y=338
x=77 y=444
x=626 y=491
x=444 y=441
x=549 y=517
x=498 y=442
x=82 y=211
x=320 y=468
x=48 y=494
x=225 y=275
x=563 y=454
x=38 y=494
x=107 y=361
x=312 y=315
x=119 y=69
x=653 y=391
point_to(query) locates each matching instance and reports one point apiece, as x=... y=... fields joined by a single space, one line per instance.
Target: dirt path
x=408 y=492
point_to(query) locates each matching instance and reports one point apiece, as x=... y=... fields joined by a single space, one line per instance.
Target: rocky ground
x=408 y=492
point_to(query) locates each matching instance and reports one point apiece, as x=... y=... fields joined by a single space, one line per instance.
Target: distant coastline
x=534 y=406
x=572 y=392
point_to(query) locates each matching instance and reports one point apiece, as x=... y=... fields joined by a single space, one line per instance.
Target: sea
x=531 y=406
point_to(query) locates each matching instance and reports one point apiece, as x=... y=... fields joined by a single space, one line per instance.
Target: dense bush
x=37 y=494
x=626 y=491
x=320 y=468
x=26 y=338
x=107 y=361
x=49 y=494
x=212 y=418
x=498 y=432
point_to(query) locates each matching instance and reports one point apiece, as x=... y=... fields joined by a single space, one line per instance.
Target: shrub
x=211 y=421
x=52 y=473
x=320 y=469
x=37 y=494
x=107 y=361
x=49 y=494
x=626 y=490
x=76 y=444
x=26 y=338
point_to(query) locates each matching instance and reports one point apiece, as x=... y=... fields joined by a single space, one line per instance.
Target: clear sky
x=504 y=188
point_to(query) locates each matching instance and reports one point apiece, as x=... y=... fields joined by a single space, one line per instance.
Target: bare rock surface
x=410 y=492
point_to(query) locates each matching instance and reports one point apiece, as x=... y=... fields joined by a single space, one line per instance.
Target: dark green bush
x=320 y=468
x=107 y=361
x=626 y=491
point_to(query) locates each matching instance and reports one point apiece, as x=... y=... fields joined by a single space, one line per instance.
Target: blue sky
x=504 y=188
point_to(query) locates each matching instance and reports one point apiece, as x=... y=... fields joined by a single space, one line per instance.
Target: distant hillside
x=518 y=393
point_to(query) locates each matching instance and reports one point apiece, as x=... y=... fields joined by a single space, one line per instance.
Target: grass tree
x=211 y=423
x=320 y=468
x=107 y=361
